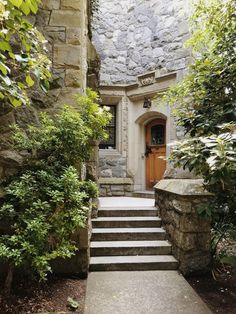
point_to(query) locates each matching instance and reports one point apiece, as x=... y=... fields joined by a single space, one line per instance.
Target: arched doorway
x=155 y=152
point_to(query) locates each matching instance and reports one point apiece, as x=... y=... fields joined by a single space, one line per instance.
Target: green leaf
x=5 y=46
x=15 y=102
x=25 y=8
x=29 y=81
x=34 y=7
x=4 y=69
x=12 y=55
x=16 y=3
x=73 y=304
x=230 y=260
x=44 y=84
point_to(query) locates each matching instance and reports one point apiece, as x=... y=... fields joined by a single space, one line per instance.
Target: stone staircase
x=129 y=238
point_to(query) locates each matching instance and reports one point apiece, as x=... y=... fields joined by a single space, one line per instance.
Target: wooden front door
x=155 y=151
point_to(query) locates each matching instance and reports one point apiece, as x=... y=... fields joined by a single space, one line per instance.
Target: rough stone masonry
x=135 y=36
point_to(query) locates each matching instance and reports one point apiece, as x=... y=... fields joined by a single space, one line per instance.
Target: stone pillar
x=189 y=234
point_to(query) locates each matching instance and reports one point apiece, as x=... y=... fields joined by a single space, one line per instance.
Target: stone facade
x=127 y=159
x=178 y=201
x=140 y=44
x=133 y=37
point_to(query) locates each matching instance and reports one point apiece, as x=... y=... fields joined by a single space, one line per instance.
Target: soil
x=30 y=297
x=50 y=296
x=219 y=293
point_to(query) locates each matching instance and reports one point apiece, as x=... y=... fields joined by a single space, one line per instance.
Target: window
x=158 y=135
x=111 y=130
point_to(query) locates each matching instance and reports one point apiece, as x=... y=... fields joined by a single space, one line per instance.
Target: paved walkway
x=140 y=292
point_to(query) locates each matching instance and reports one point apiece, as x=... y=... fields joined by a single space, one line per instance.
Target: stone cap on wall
x=182 y=187
x=119 y=181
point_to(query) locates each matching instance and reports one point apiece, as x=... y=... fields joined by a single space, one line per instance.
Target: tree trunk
x=8 y=280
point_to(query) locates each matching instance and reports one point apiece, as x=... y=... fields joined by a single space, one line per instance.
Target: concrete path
x=141 y=292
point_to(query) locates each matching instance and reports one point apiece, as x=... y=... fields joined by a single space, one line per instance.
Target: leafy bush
x=47 y=201
x=43 y=211
x=23 y=58
x=206 y=101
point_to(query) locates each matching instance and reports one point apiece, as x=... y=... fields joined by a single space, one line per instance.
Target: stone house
x=140 y=44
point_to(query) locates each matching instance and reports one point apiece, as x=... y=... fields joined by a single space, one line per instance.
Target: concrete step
x=114 y=248
x=123 y=234
x=126 y=222
x=127 y=211
x=144 y=262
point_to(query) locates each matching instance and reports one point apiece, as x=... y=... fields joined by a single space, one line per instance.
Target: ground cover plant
x=206 y=110
x=47 y=201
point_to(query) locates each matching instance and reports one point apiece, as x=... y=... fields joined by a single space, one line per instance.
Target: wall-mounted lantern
x=147 y=103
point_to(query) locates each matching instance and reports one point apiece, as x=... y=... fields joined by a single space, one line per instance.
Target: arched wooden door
x=155 y=151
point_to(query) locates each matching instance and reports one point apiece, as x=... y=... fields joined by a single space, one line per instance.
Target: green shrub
x=43 y=211
x=206 y=101
x=47 y=201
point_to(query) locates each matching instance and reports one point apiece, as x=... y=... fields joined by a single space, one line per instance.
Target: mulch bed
x=51 y=296
x=30 y=297
x=219 y=294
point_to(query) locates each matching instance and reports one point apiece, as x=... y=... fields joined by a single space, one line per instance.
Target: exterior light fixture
x=147 y=103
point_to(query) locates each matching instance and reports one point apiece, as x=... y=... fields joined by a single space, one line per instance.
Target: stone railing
x=189 y=234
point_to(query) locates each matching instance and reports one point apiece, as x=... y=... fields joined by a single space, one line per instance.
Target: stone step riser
x=124 y=251
x=134 y=266
x=126 y=224
x=143 y=195
x=127 y=213
x=128 y=236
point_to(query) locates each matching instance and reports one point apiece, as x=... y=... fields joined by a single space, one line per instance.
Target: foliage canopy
x=206 y=100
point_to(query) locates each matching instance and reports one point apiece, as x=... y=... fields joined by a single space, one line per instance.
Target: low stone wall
x=178 y=201
x=116 y=186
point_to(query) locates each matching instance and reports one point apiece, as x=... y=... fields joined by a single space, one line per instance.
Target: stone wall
x=64 y=24
x=75 y=65
x=135 y=36
x=110 y=166
x=116 y=186
x=189 y=234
